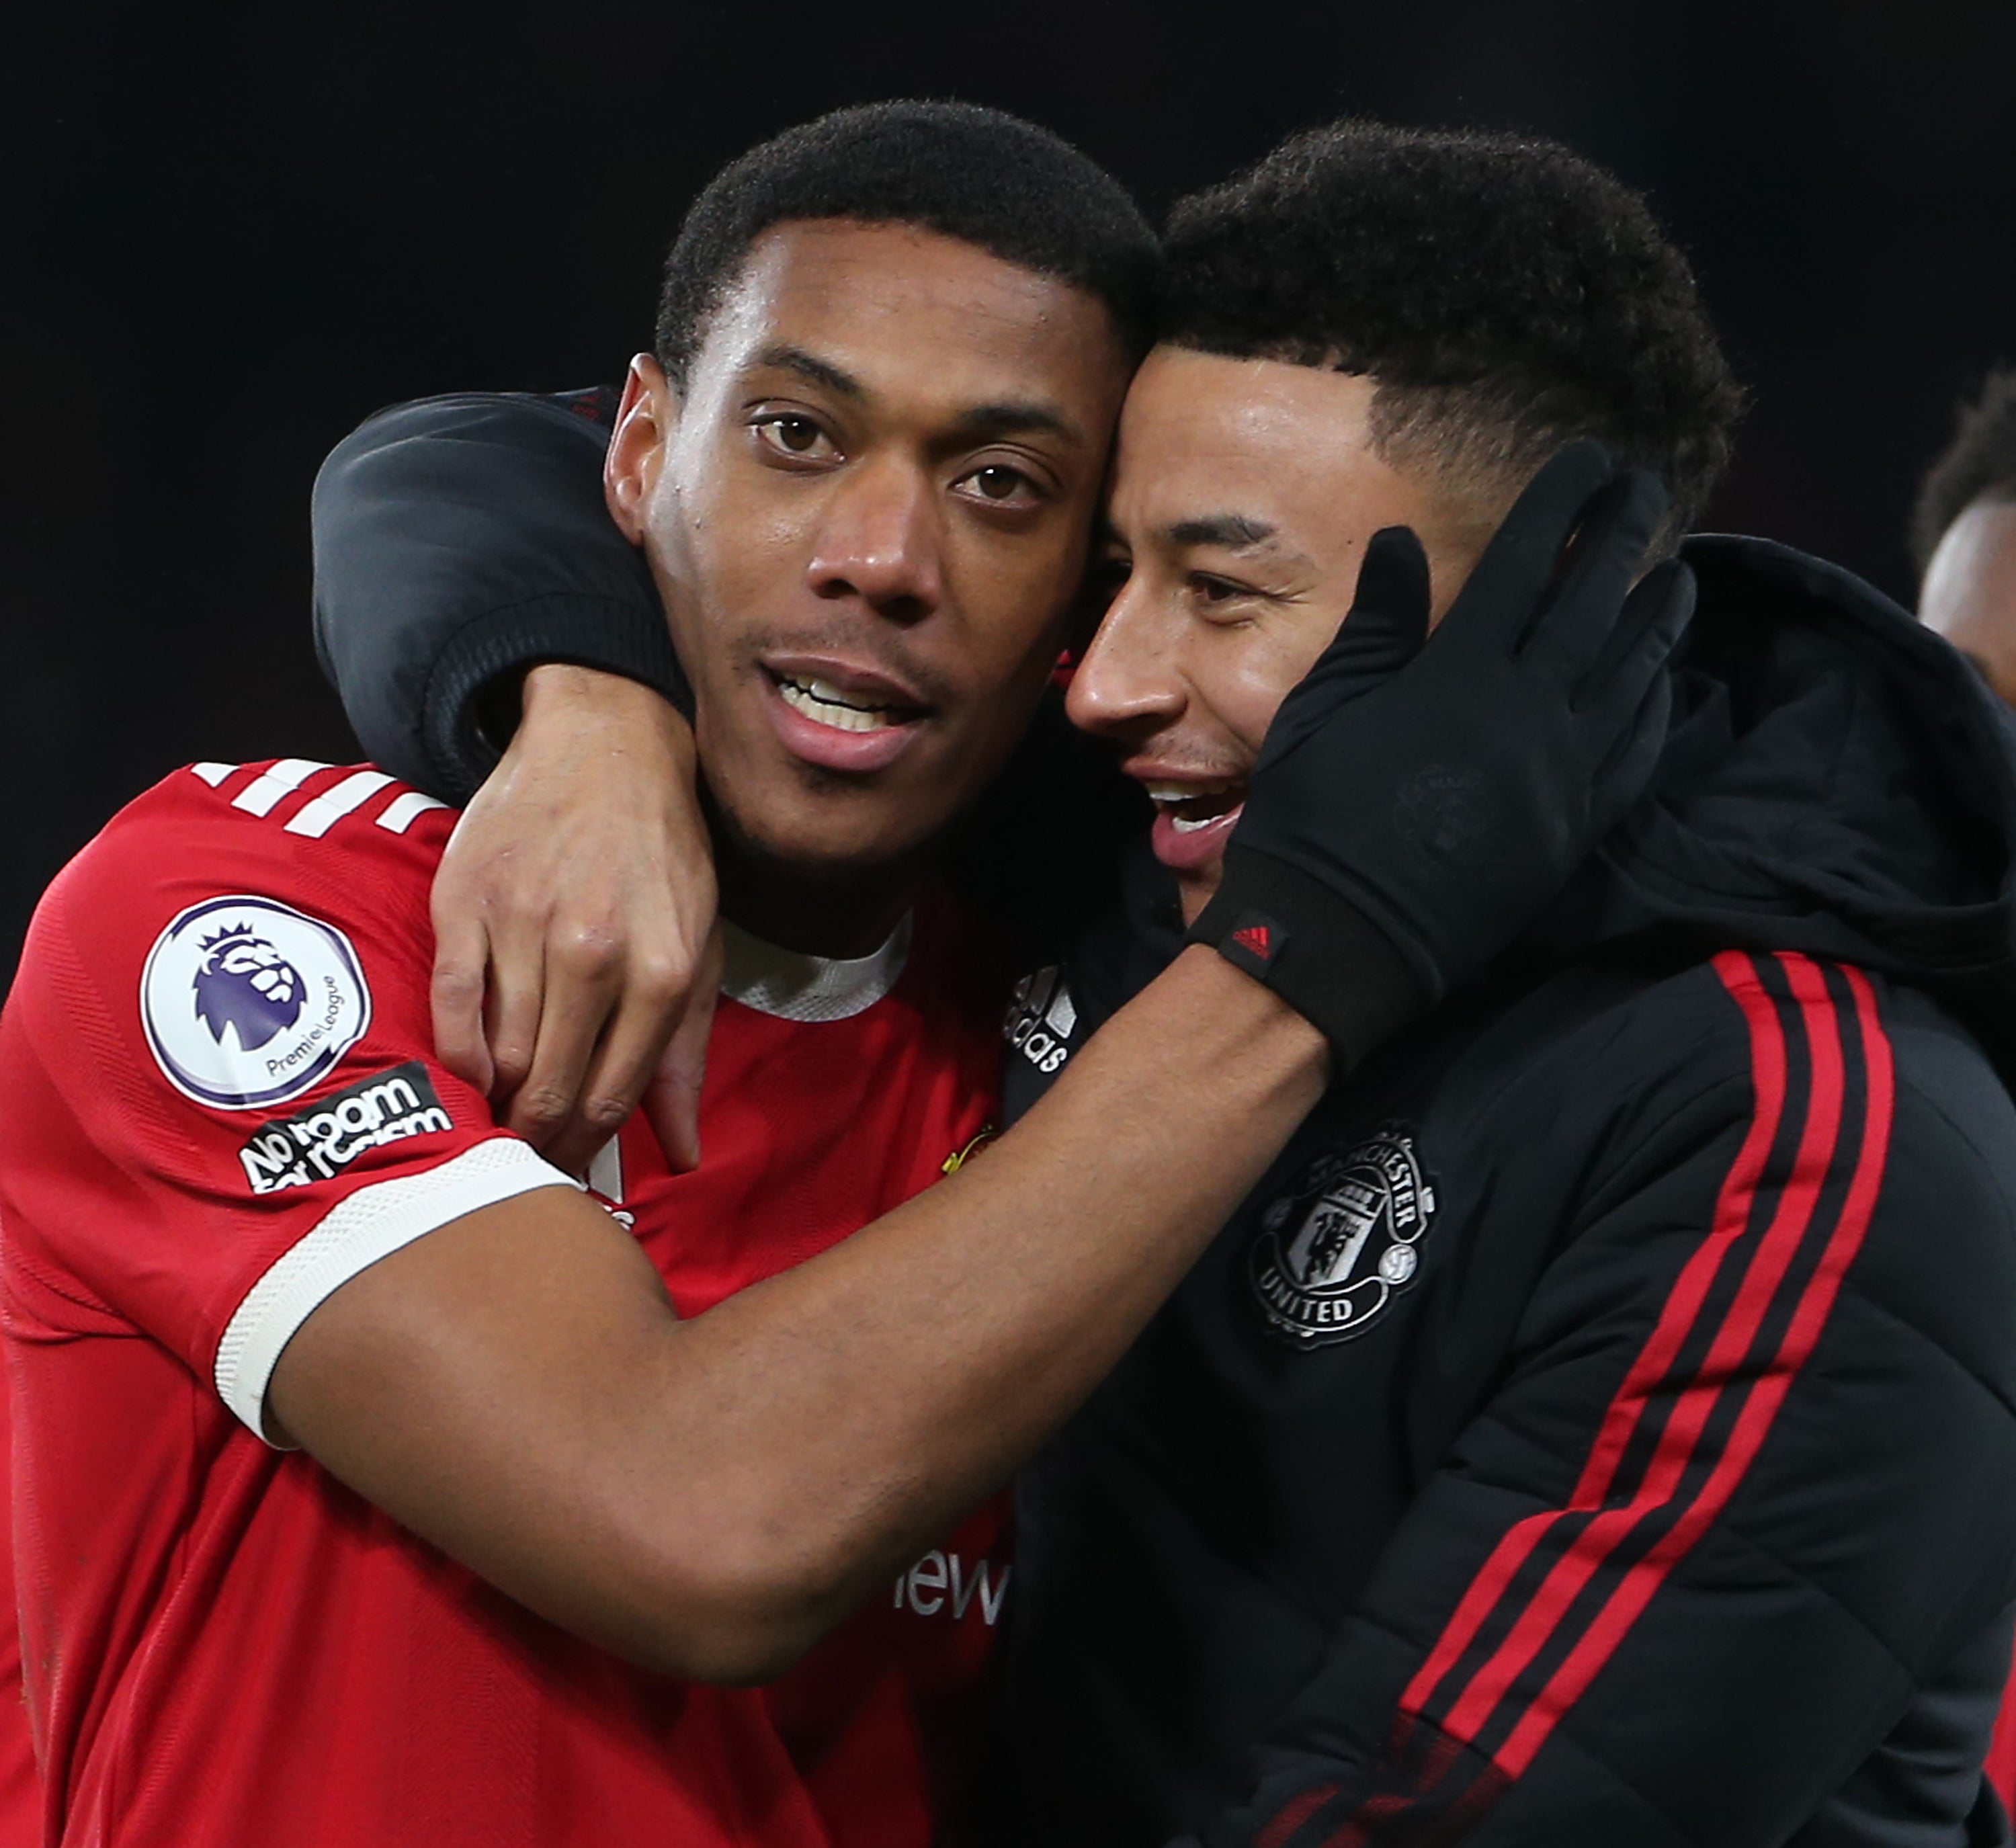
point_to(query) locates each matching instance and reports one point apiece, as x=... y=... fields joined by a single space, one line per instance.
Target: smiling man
x=1567 y=1440
x=374 y=1483
x=1560 y=1443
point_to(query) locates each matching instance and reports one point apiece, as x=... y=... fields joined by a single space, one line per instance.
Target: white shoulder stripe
x=213 y=774
x=372 y=1223
x=400 y=815
x=258 y=796
x=315 y=819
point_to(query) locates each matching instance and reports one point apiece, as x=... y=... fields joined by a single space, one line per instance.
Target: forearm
x=886 y=1386
x=708 y=1498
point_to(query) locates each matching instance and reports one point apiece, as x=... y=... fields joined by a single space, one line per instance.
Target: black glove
x=1417 y=803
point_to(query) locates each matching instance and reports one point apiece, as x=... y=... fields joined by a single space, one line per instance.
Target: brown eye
x=790 y=433
x=997 y=483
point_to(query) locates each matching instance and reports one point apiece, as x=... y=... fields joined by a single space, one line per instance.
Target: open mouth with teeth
x=1189 y=806
x=825 y=704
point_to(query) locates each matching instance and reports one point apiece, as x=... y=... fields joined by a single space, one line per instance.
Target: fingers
x=1383 y=630
x=1512 y=579
x=671 y=1101
x=652 y=996
x=559 y=1024
x=1655 y=616
x=1627 y=767
x=1388 y=621
x=1575 y=626
x=462 y=955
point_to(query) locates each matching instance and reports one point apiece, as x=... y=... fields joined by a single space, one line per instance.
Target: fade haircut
x=1979 y=464
x=1504 y=295
x=988 y=178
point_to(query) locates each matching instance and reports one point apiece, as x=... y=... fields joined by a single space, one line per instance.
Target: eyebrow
x=811 y=367
x=1237 y=532
x=1017 y=418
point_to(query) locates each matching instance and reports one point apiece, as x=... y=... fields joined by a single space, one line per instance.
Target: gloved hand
x=1419 y=801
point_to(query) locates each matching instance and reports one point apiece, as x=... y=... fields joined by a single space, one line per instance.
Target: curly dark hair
x=983 y=176
x=1979 y=464
x=1505 y=296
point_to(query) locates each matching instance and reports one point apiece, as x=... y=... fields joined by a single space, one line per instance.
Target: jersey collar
x=792 y=985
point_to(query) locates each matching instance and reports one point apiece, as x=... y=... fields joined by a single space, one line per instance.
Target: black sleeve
x=1727 y=1558
x=459 y=540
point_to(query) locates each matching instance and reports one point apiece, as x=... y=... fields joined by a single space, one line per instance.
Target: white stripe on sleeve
x=258 y=796
x=316 y=818
x=372 y=1223
x=404 y=811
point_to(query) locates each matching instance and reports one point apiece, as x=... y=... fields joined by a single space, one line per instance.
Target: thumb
x=671 y=1100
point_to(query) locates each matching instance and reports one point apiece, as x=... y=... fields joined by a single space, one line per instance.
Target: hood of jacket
x=1836 y=779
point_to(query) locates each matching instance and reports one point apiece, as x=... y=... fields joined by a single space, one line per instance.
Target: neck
x=844 y=918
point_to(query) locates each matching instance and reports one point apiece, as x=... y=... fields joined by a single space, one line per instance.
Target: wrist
x=1313 y=948
x=1246 y=1010
x=565 y=703
x=560 y=687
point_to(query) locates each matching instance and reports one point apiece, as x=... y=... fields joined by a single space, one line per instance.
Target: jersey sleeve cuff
x=372 y=1223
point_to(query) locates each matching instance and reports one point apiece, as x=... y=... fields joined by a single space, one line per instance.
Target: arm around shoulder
x=459 y=541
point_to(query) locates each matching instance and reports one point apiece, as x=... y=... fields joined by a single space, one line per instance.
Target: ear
x=646 y=422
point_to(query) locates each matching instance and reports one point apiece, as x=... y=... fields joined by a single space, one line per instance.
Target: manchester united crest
x=1332 y=1254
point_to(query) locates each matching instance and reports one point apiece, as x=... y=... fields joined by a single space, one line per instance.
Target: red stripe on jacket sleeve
x=1753 y=1425
x=1676 y=1320
x=1679 y=1452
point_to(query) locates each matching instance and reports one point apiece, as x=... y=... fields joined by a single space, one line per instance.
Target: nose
x=880 y=541
x=1129 y=680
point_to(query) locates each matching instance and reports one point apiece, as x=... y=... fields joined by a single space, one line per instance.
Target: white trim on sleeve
x=372 y=1223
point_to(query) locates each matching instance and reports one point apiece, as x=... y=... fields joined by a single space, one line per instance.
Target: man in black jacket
x=1597 y=1428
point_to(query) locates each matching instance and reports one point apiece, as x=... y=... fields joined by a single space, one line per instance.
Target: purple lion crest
x=244 y=982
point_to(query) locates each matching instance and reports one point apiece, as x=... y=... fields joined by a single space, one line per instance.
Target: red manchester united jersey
x=220 y=1102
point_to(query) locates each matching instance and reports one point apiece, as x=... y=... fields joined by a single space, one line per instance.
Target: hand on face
x=1419 y=802
x=1245 y=493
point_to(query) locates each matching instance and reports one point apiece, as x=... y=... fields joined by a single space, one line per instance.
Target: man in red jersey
x=575 y=1475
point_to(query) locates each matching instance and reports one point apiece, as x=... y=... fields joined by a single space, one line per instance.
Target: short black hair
x=987 y=178
x=1505 y=295
x=1979 y=463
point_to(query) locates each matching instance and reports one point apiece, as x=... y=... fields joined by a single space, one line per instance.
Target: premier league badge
x=1332 y=1254
x=247 y=1002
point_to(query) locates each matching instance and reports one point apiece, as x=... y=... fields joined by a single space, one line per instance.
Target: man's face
x=1244 y=493
x=1969 y=593
x=868 y=513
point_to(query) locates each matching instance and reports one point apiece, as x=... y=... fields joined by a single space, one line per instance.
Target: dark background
x=227 y=232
